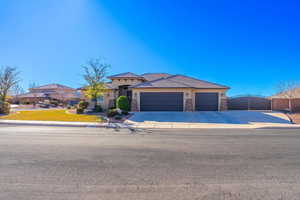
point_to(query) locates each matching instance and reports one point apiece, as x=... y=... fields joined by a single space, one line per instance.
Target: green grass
x=51 y=115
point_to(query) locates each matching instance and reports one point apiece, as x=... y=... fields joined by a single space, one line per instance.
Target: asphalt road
x=90 y=164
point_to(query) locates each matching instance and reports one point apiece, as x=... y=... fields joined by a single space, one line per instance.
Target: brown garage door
x=207 y=101
x=161 y=101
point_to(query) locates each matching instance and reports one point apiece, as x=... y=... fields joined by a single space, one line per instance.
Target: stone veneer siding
x=223 y=104
x=188 y=105
x=134 y=105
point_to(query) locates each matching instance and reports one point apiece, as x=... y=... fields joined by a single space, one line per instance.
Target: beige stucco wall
x=107 y=97
x=188 y=93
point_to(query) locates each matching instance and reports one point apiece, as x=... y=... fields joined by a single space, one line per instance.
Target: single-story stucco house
x=53 y=91
x=165 y=92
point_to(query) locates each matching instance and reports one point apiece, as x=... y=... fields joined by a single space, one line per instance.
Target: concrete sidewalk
x=65 y=124
x=149 y=125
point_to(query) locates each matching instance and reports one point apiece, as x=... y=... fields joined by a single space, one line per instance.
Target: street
x=61 y=163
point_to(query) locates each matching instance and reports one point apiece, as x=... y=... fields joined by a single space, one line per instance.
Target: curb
x=132 y=126
x=62 y=124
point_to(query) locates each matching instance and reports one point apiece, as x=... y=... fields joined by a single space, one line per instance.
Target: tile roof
x=154 y=76
x=294 y=93
x=125 y=75
x=179 y=81
x=65 y=95
x=32 y=95
x=52 y=86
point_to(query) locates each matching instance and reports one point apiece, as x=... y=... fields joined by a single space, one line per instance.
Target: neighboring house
x=51 y=91
x=165 y=92
x=293 y=93
x=288 y=100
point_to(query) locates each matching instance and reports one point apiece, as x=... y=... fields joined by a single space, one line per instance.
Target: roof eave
x=226 y=88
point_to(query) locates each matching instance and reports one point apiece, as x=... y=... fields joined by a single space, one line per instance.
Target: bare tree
x=9 y=77
x=33 y=85
x=16 y=91
x=289 y=90
x=95 y=72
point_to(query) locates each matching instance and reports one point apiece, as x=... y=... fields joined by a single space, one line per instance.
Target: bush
x=118 y=117
x=98 y=108
x=83 y=105
x=123 y=103
x=79 y=111
x=53 y=102
x=112 y=112
x=4 y=108
x=125 y=112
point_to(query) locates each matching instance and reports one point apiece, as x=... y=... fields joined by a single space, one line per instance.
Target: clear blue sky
x=247 y=45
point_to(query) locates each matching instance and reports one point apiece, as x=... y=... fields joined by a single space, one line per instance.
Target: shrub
x=4 y=108
x=118 y=117
x=98 y=108
x=123 y=103
x=125 y=112
x=54 y=102
x=79 y=111
x=112 y=112
x=83 y=105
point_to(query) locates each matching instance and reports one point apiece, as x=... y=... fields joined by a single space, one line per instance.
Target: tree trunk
x=96 y=102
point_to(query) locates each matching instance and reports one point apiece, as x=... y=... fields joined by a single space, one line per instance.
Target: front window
x=100 y=99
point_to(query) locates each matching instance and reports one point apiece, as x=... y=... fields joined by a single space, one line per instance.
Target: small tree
x=16 y=91
x=288 y=89
x=33 y=85
x=123 y=103
x=9 y=77
x=95 y=74
x=82 y=105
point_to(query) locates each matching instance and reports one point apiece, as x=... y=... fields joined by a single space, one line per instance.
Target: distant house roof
x=294 y=93
x=32 y=95
x=125 y=75
x=154 y=76
x=57 y=95
x=179 y=81
x=52 y=86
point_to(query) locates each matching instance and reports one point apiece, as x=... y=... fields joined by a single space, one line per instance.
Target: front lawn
x=51 y=115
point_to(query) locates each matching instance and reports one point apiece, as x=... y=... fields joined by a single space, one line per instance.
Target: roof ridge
x=150 y=81
x=155 y=73
x=202 y=80
x=116 y=75
x=56 y=84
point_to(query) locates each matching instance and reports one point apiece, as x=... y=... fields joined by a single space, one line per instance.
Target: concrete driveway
x=226 y=117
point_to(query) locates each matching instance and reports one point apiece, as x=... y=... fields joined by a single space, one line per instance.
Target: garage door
x=161 y=101
x=207 y=101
